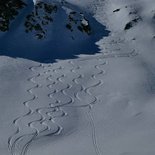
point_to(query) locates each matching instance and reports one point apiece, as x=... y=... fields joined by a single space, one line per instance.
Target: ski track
x=46 y=114
x=90 y=105
x=13 y=140
x=94 y=137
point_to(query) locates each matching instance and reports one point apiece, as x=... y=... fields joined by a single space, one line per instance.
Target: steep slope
x=48 y=27
x=96 y=104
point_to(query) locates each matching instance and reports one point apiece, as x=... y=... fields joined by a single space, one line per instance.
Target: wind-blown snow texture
x=77 y=77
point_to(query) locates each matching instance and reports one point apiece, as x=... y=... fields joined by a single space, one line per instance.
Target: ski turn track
x=34 y=132
x=95 y=99
x=40 y=120
x=17 y=136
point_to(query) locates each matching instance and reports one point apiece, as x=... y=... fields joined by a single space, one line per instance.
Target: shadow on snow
x=60 y=43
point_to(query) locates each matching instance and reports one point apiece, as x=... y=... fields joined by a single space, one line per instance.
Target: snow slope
x=99 y=103
x=47 y=28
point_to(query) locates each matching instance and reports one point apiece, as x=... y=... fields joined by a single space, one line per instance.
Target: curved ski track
x=15 y=138
x=46 y=115
x=90 y=105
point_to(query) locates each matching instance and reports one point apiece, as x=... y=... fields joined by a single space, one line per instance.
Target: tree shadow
x=61 y=41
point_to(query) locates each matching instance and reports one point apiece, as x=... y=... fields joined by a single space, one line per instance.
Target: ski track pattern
x=90 y=105
x=45 y=115
x=17 y=136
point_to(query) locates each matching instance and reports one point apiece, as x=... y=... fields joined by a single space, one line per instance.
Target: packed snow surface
x=80 y=81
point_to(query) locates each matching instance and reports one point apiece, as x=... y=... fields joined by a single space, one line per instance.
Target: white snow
x=95 y=104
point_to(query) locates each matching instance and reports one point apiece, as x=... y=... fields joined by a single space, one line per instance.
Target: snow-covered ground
x=86 y=91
